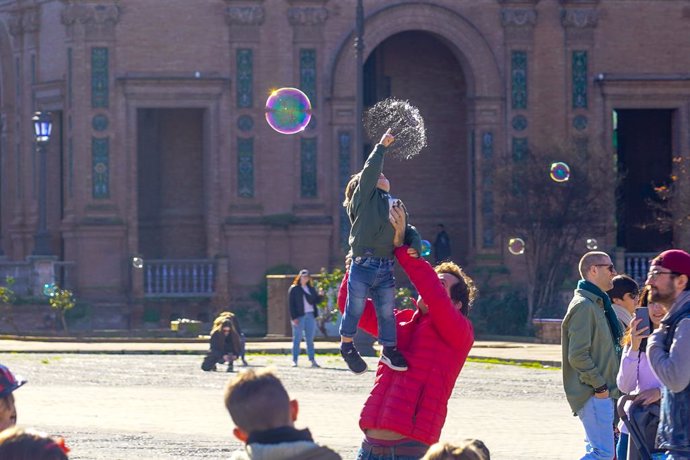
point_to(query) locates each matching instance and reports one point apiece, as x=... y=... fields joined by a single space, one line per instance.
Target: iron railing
x=179 y=278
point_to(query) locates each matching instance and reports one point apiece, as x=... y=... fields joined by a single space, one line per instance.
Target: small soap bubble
x=137 y=262
x=426 y=248
x=516 y=246
x=49 y=289
x=559 y=172
x=288 y=110
x=592 y=244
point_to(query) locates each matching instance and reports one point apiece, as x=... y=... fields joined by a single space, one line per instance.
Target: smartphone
x=643 y=313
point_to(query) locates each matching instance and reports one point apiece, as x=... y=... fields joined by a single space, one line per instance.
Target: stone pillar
x=278 y=315
x=43 y=270
x=221 y=299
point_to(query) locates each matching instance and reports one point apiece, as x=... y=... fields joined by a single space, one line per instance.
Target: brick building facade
x=160 y=148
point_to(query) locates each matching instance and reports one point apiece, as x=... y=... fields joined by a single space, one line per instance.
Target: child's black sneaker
x=352 y=358
x=231 y=368
x=392 y=358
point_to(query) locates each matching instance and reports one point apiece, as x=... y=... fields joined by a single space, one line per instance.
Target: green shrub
x=502 y=313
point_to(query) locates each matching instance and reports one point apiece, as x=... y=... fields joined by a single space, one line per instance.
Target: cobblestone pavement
x=164 y=407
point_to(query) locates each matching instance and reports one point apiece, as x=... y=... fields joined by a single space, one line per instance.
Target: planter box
x=547 y=330
x=191 y=327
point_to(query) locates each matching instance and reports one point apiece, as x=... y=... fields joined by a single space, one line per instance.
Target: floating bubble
x=288 y=110
x=592 y=244
x=137 y=262
x=516 y=246
x=405 y=122
x=49 y=289
x=426 y=248
x=559 y=172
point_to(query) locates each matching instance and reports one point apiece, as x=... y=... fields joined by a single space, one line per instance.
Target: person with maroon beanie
x=668 y=350
x=405 y=411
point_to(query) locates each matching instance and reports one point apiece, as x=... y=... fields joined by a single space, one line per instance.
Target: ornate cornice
x=244 y=15
x=307 y=16
x=90 y=14
x=23 y=21
x=579 y=18
x=518 y=17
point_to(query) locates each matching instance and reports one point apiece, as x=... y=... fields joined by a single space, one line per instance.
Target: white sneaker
x=294 y=364
x=314 y=364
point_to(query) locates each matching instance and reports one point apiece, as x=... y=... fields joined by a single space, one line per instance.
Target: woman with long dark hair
x=303 y=301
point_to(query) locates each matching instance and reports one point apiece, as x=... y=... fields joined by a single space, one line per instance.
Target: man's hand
x=295 y=322
x=397 y=218
x=412 y=252
x=387 y=138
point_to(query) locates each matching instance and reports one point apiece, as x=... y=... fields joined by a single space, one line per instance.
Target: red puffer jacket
x=414 y=403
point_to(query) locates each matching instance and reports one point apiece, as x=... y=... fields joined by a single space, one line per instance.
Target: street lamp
x=359 y=91
x=42 y=127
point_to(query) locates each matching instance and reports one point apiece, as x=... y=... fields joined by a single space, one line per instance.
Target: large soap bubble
x=559 y=172
x=288 y=110
x=405 y=122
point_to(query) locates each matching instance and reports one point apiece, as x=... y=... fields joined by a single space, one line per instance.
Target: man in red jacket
x=405 y=411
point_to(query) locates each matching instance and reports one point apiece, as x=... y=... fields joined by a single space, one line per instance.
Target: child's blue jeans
x=371 y=277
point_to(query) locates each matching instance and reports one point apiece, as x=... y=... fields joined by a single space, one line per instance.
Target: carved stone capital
x=244 y=15
x=579 y=18
x=24 y=21
x=518 y=17
x=307 y=16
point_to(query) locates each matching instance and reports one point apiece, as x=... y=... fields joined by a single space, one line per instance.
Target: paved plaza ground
x=152 y=406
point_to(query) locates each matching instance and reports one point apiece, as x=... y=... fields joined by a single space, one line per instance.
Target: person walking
x=668 y=350
x=302 y=301
x=591 y=347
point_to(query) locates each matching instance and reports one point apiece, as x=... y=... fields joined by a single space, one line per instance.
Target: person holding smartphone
x=635 y=375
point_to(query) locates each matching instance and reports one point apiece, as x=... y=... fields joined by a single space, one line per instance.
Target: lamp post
x=359 y=69
x=42 y=128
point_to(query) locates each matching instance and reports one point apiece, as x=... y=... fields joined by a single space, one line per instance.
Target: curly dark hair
x=465 y=290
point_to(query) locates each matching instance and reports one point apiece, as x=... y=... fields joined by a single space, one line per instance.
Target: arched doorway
x=418 y=66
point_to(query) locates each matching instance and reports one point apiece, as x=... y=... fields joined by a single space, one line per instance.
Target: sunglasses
x=609 y=266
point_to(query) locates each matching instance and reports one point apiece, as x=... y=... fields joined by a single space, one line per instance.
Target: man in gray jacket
x=668 y=350
x=590 y=339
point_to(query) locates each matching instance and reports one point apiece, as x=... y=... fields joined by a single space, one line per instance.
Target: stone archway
x=439 y=186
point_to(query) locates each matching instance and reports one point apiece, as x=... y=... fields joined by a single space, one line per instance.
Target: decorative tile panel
x=580 y=122
x=99 y=122
x=245 y=77
x=100 y=154
x=487 y=205
x=519 y=123
x=245 y=167
x=518 y=75
x=520 y=148
x=344 y=155
x=579 y=71
x=245 y=123
x=308 y=188
x=99 y=78
x=307 y=73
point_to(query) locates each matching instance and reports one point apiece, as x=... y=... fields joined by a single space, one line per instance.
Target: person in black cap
x=8 y=411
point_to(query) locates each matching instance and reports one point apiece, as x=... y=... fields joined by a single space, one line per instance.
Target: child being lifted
x=368 y=204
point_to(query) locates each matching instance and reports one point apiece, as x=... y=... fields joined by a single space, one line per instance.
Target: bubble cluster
x=405 y=122
x=516 y=246
x=426 y=248
x=288 y=110
x=137 y=262
x=592 y=244
x=559 y=172
x=49 y=289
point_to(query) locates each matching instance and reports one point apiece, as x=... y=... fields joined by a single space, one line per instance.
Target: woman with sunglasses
x=303 y=301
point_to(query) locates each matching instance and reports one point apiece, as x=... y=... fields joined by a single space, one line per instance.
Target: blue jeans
x=305 y=325
x=391 y=452
x=597 y=418
x=622 y=447
x=371 y=277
